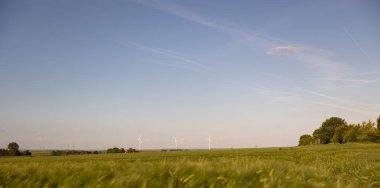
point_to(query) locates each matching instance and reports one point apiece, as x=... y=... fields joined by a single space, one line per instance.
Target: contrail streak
x=323 y=95
x=182 y=59
x=341 y=107
x=354 y=80
x=357 y=44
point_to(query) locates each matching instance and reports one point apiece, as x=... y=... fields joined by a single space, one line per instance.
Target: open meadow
x=332 y=165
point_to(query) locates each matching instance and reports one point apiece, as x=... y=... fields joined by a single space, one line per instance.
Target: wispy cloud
x=323 y=64
x=333 y=102
x=186 y=14
x=182 y=61
x=343 y=107
x=243 y=35
x=351 y=79
x=362 y=74
x=336 y=102
x=181 y=12
x=361 y=81
x=323 y=95
x=285 y=50
x=318 y=62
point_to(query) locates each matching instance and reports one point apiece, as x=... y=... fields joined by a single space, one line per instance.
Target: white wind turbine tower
x=209 y=142
x=176 y=142
x=140 y=141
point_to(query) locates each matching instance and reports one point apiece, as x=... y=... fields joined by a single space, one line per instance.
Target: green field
x=345 y=165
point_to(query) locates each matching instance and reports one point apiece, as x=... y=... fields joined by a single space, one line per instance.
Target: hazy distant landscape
x=349 y=157
x=164 y=93
x=347 y=165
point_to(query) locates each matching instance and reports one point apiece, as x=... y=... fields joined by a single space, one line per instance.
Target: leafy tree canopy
x=326 y=132
x=13 y=146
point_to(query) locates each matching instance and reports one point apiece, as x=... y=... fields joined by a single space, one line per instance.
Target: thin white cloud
x=342 y=107
x=285 y=50
x=351 y=79
x=323 y=64
x=178 y=11
x=334 y=103
x=318 y=60
x=361 y=74
x=323 y=95
x=181 y=12
x=339 y=103
x=354 y=80
x=182 y=61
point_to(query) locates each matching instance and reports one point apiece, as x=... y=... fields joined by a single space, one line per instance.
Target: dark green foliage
x=336 y=130
x=326 y=132
x=368 y=132
x=338 y=136
x=306 y=139
x=378 y=123
x=13 y=149
x=115 y=150
x=352 y=134
x=13 y=146
x=26 y=153
x=131 y=150
x=4 y=152
x=71 y=152
x=54 y=153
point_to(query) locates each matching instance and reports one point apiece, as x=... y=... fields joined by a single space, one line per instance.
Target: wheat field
x=345 y=165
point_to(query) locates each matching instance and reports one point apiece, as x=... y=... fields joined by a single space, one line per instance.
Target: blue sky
x=97 y=74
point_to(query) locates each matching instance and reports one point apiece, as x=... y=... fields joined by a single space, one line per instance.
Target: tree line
x=84 y=152
x=13 y=150
x=71 y=152
x=337 y=130
x=121 y=150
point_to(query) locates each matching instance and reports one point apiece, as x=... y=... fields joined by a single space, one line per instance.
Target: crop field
x=345 y=165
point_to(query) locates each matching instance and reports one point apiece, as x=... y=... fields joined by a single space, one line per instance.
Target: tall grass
x=353 y=165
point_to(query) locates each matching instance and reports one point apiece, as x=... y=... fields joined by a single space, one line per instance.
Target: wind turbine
x=209 y=142
x=176 y=142
x=140 y=141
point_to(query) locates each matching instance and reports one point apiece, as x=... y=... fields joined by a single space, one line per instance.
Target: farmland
x=332 y=165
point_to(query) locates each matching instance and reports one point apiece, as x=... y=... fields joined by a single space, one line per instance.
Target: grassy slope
x=350 y=165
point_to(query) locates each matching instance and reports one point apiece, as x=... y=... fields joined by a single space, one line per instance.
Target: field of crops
x=348 y=165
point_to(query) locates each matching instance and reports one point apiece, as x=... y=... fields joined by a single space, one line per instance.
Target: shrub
x=306 y=140
x=26 y=153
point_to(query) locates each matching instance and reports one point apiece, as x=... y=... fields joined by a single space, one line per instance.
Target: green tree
x=115 y=150
x=3 y=152
x=378 y=123
x=326 y=132
x=352 y=133
x=339 y=134
x=13 y=149
x=306 y=139
x=368 y=132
